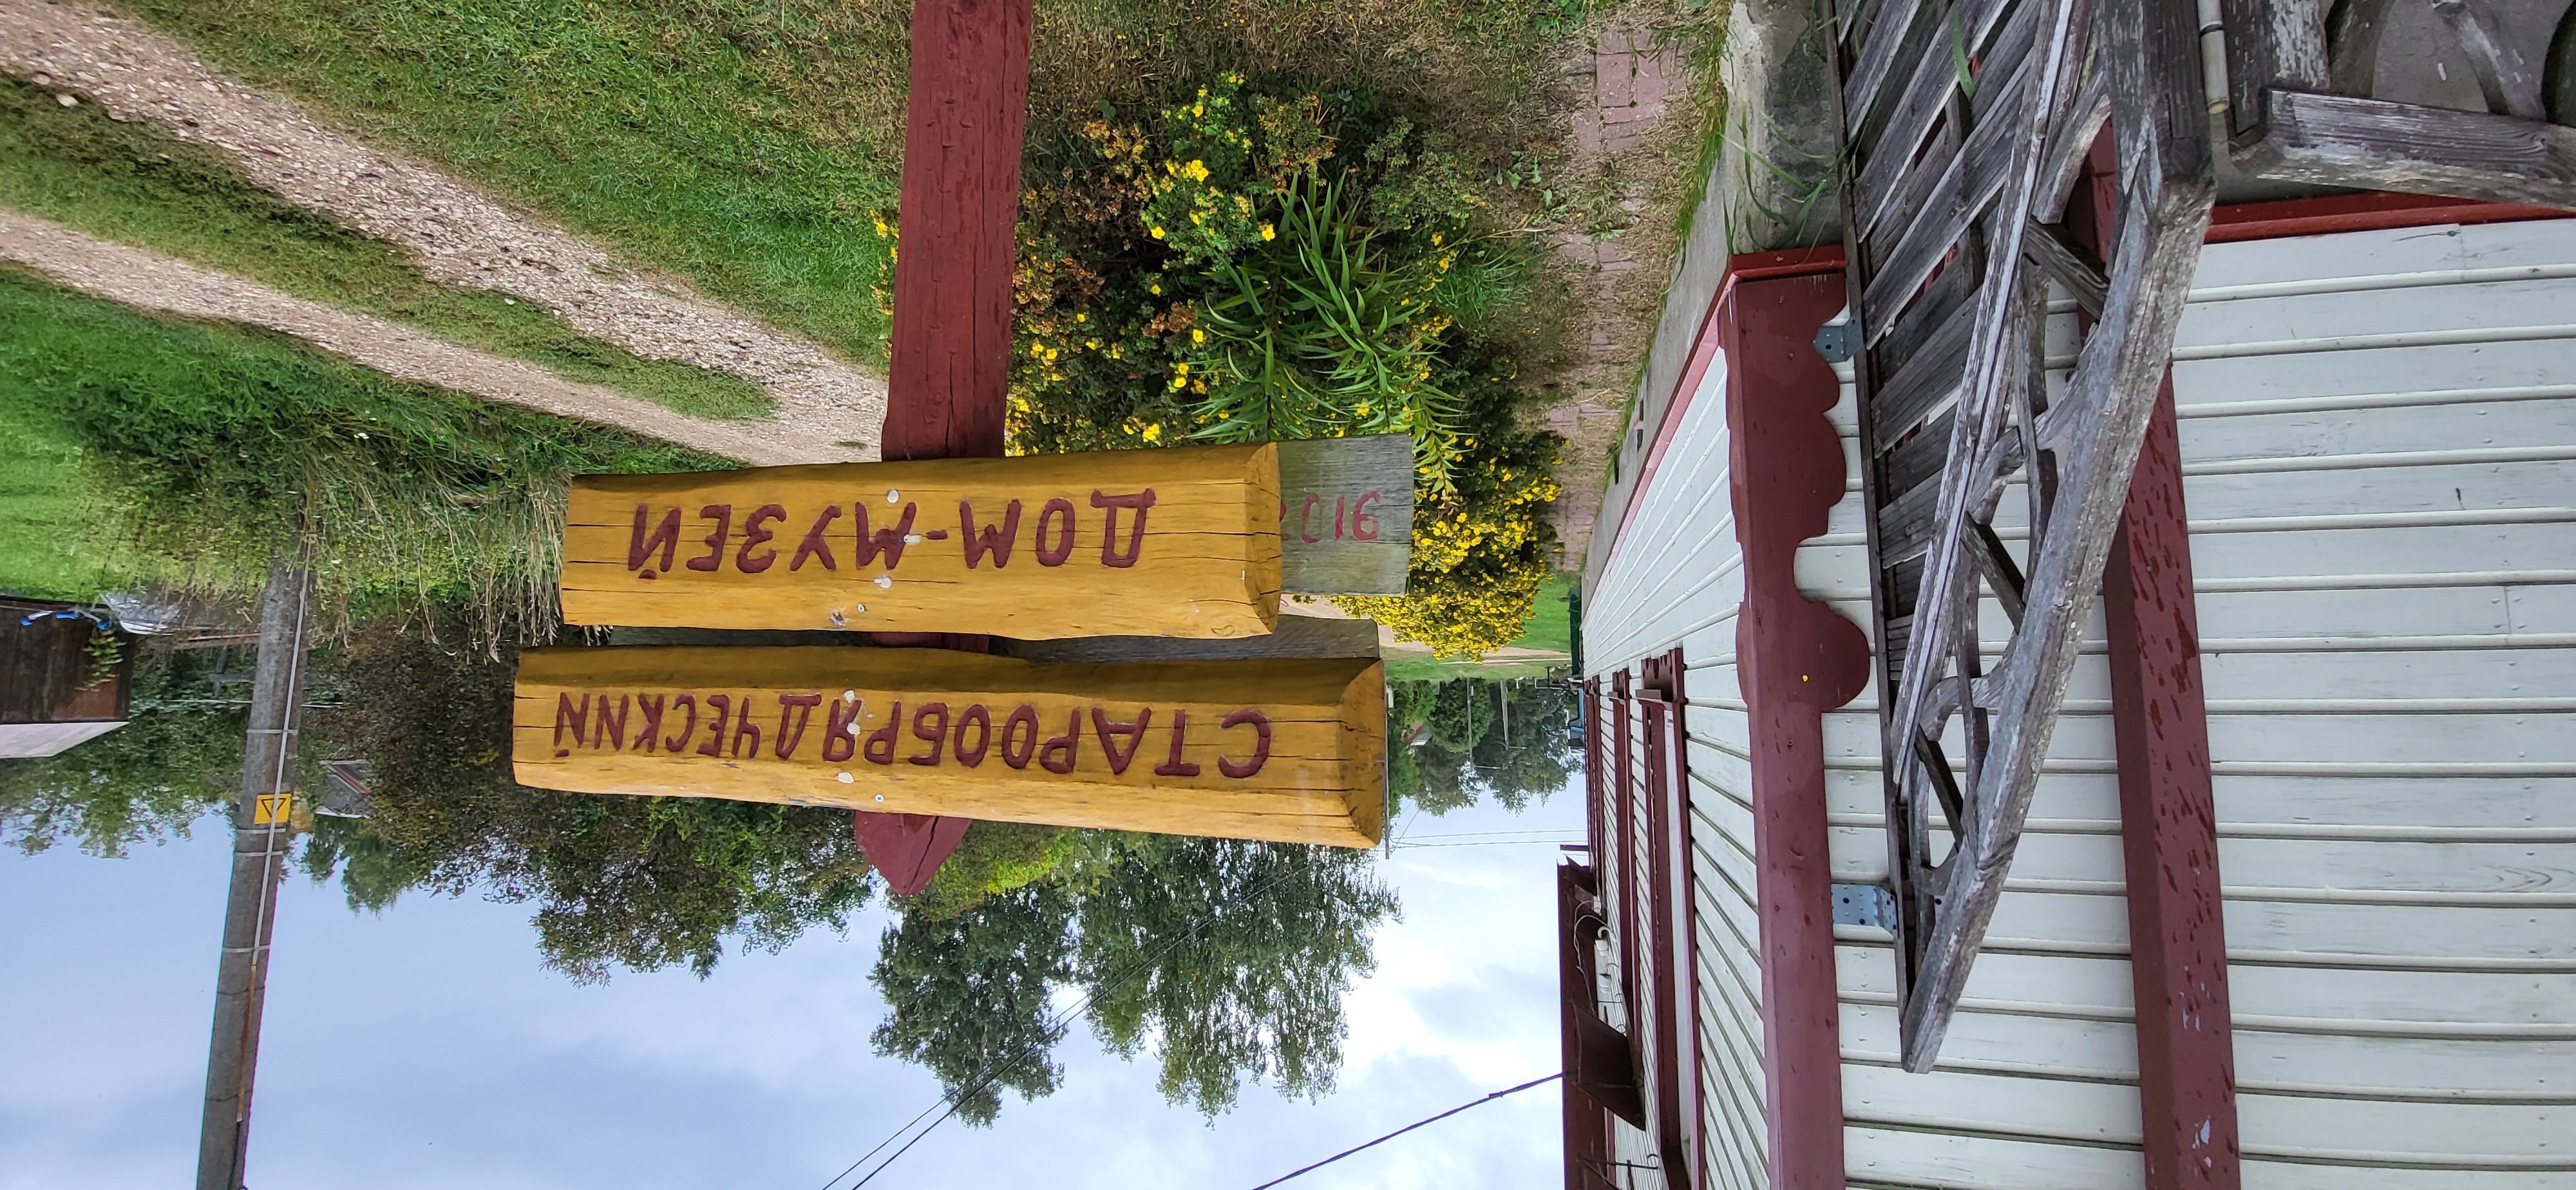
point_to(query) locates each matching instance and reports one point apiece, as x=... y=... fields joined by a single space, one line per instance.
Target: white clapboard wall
x=2379 y=443
x=1677 y=580
x=2379 y=452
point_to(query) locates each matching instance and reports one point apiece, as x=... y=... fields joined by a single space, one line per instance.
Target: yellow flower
x=1183 y=368
x=882 y=229
x=1198 y=386
x=1198 y=336
x=1036 y=350
x=1093 y=344
x=1158 y=234
x=1178 y=382
x=1268 y=232
x=1435 y=239
x=1153 y=433
x=1082 y=318
x=1155 y=288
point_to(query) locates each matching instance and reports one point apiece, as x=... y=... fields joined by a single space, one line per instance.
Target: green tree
x=968 y=996
x=175 y=761
x=1231 y=958
x=635 y=882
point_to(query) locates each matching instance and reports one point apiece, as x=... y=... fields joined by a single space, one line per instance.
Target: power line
x=1410 y=1127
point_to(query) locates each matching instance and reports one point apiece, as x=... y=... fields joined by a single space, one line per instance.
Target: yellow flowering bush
x=1478 y=559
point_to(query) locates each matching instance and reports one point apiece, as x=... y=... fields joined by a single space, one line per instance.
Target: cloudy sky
x=426 y=1048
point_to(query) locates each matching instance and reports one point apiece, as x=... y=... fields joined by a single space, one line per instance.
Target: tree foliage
x=1511 y=741
x=145 y=782
x=969 y=995
x=635 y=882
x=1227 y=960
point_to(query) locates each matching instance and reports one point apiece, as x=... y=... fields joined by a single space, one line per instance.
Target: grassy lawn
x=47 y=512
x=1414 y=667
x=744 y=144
x=136 y=184
x=1551 y=627
x=134 y=446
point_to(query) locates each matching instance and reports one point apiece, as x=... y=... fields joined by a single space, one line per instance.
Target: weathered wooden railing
x=1968 y=123
x=2308 y=101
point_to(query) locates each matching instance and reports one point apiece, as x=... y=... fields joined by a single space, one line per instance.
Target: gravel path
x=461 y=235
x=147 y=280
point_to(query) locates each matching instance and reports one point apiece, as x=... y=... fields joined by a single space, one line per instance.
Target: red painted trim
x=1668 y=906
x=1622 y=872
x=1796 y=659
x=2169 y=830
x=1677 y=920
x=1742 y=267
x=2370 y=211
x=2160 y=721
x=1586 y=1120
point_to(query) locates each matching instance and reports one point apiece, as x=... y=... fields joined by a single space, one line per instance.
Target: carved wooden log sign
x=1290 y=750
x=1181 y=542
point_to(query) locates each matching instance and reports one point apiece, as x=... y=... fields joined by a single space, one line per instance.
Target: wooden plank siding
x=1679 y=582
x=2378 y=434
x=2397 y=820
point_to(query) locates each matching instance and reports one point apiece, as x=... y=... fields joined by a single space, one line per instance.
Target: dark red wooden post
x=951 y=355
x=950 y=361
x=1796 y=659
x=2169 y=826
x=2168 y=811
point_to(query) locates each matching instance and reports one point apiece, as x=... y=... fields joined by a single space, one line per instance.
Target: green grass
x=48 y=513
x=745 y=144
x=136 y=184
x=1418 y=668
x=194 y=449
x=1551 y=627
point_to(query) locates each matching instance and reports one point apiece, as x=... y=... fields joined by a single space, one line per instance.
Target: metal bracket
x=1865 y=905
x=1836 y=341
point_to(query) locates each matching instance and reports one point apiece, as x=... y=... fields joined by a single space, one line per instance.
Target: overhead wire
x=1547 y=1078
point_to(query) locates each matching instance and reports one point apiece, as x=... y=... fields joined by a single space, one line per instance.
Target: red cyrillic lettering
x=1173 y=765
x=1260 y=748
x=753 y=534
x=936 y=736
x=880 y=745
x=841 y=731
x=1135 y=733
x=722 y=515
x=744 y=726
x=803 y=706
x=650 y=706
x=1016 y=748
x=983 y=721
x=681 y=741
x=815 y=543
x=1068 y=746
x=990 y=540
x=1063 y=548
x=666 y=535
x=1139 y=501
x=722 y=705
x=610 y=733
x=576 y=716
x=888 y=542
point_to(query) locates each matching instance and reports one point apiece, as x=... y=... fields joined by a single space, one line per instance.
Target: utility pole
x=262 y=827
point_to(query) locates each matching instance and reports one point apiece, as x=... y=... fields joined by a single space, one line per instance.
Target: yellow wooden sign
x=1285 y=750
x=1181 y=542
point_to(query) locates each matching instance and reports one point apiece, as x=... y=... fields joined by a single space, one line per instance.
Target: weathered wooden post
x=262 y=828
